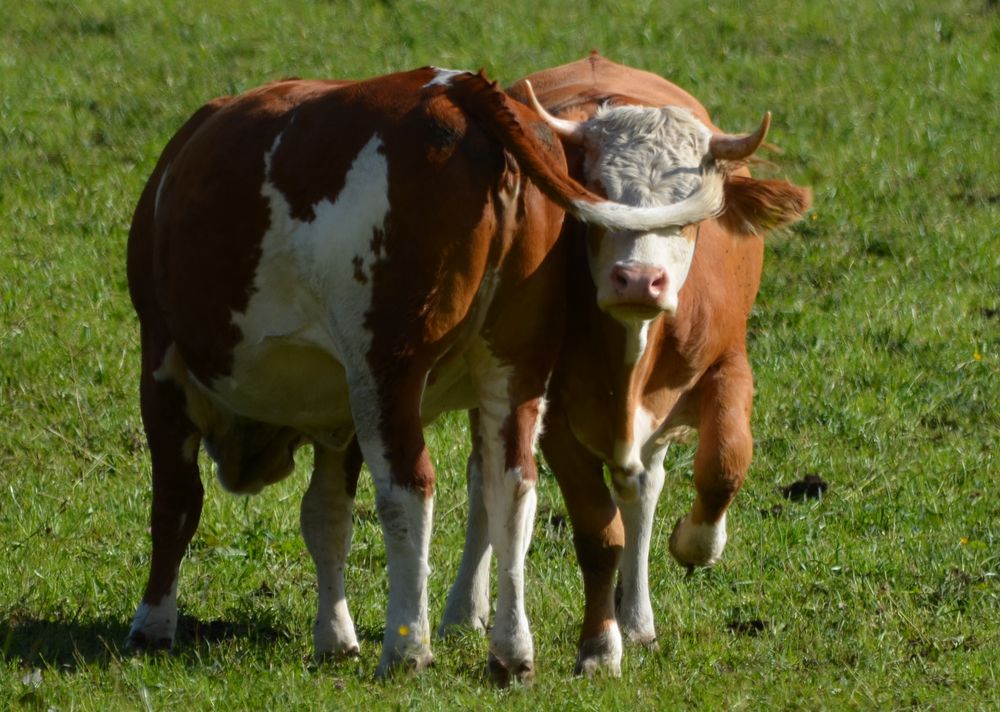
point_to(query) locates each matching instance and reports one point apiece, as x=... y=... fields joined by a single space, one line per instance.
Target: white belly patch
x=305 y=320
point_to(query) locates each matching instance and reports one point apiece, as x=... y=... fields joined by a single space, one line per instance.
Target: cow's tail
x=536 y=148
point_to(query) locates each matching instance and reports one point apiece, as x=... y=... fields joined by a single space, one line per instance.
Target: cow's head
x=643 y=156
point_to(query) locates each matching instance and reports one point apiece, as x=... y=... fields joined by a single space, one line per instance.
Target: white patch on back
x=443 y=77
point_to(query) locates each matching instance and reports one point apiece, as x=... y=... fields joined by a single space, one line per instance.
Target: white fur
x=326 y=528
x=698 y=544
x=636 y=490
x=603 y=655
x=510 y=503
x=705 y=202
x=304 y=323
x=444 y=77
x=636 y=340
x=635 y=612
x=157 y=623
x=406 y=518
x=671 y=251
x=652 y=159
x=632 y=458
x=646 y=156
x=468 y=602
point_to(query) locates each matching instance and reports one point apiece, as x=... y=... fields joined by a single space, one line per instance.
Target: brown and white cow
x=655 y=342
x=337 y=263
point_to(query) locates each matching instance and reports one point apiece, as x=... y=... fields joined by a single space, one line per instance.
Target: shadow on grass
x=52 y=643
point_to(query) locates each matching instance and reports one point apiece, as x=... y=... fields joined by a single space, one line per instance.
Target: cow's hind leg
x=468 y=605
x=387 y=418
x=725 y=448
x=177 y=500
x=326 y=528
x=510 y=413
x=598 y=537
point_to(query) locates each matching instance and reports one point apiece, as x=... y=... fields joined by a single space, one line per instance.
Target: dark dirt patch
x=772 y=512
x=989 y=313
x=809 y=487
x=752 y=627
x=556 y=521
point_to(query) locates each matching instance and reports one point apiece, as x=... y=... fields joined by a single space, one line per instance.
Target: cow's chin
x=632 y=313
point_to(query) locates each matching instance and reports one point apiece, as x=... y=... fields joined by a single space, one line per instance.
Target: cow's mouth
x=633 y=311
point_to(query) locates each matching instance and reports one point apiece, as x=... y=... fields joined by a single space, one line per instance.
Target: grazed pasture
x=875 y=341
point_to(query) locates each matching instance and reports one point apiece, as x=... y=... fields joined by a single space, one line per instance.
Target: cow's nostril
x=658 y=284
x=619 y=279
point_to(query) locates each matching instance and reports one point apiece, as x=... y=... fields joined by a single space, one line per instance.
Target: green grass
x=875 y=342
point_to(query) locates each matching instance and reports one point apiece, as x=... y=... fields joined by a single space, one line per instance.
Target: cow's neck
x=630 y=358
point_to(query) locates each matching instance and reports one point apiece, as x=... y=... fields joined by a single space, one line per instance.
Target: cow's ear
x=752 y=207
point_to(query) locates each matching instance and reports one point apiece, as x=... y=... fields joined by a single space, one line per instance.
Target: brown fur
x=694 y=372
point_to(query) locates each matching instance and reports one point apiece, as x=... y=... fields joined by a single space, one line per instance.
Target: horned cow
x=655 y=338
x=336 y=263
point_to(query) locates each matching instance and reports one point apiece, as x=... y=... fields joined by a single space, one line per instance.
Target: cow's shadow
x=53 y=643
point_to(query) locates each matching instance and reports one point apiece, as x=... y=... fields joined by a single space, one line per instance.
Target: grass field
x=875 y=342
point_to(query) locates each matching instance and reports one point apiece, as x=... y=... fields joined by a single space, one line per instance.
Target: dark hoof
x=138 y=643
x=407 y=666
x=336 y=656
x=502 y=676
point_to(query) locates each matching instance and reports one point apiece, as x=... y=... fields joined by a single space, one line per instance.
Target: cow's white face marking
x=643 y=157
x=444 y=77
x=670 y=250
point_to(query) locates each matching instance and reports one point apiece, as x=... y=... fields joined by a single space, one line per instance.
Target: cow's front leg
x=176 y=507
x=468 y=605
x=598 y=537
x=387 y=419
x=635 y=613
x=326 y=528
x=725 y=448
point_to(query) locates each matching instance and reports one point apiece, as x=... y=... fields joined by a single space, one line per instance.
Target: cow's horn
x=736 y=147
x=572 y=131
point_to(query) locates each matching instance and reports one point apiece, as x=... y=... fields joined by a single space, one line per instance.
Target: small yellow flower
x=814 y=216
x=976 y=356
x=404 y=630
x=964 y=540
